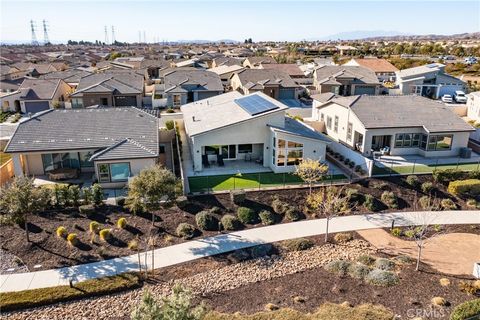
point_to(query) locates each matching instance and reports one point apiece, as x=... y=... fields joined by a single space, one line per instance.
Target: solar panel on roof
x=255 y=104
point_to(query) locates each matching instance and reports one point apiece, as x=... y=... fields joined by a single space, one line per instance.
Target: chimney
x=193 y=118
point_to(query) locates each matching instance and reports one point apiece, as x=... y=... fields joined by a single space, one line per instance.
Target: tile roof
x=376 y=65
x=38 y=89
x=192 y=80
x=359 y=75
x=126 y=82
x=291 y=69
x=258 y=78
x=298 y=128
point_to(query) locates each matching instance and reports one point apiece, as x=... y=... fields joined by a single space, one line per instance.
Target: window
x=52 y=161
x=161 y=148
x=289 y=153
x=177 y=100
x=281 y=143
x=399 y=140
x=292 y=144
x=329 y=122
x=439 y=142
x=113 y=172
x=281 y=158
x=423 y=144
x=212 y=150
x=349 y=131
x=335 y=126
x=84 y=158
x=294 y=157
x=229 y=151
x=103 y=173
x=245 y=148
x=432 y=142
x=409 y=140
x=416 y=140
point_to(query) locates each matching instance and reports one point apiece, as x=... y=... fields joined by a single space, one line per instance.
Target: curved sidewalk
x=191 y=250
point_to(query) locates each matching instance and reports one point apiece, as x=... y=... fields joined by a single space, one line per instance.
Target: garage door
x=125 y=101
x=364 y=90
x=36 y=106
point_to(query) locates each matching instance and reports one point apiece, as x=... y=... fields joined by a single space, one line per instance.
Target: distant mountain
x=435 y=37
x=358 y=35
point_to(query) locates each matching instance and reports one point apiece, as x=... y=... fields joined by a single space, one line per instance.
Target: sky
x=279 y=20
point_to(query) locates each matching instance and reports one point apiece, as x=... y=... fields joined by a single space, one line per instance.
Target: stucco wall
x=136 y=165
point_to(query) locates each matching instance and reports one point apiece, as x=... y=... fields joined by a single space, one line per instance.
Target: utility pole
x=139 y=37
x=45 y=33
x=113 y=35
x=144 y=37
x=34 y=36
x=106 y=35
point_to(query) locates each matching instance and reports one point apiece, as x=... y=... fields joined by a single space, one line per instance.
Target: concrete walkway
x=205 y=247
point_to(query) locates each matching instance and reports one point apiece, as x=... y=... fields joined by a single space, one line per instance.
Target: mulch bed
x=317 y=286
x=49 y=251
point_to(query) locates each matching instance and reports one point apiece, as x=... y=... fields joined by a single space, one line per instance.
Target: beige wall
x=136 y=165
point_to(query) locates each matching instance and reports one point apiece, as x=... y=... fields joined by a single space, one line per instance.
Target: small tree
x=149 y=188
x=178 y=305
x=97 y=194
x=311 y=171
x=328 y=203
x=22 y=198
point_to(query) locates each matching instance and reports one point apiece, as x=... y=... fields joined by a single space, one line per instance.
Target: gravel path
x=8 y=261
x=216 y=280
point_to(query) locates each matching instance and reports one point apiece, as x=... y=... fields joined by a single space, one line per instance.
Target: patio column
x=17 y=165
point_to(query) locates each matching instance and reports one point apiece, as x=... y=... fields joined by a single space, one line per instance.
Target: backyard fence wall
x=365 y=163
x=6 y=172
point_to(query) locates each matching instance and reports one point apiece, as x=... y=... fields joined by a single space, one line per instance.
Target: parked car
x=460 y=97
x=470 y=60
x=447 y=98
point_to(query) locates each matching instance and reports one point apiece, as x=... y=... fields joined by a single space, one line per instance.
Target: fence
x=423 y=166
x=6 y=172
x=352 y=160
x=258 y=181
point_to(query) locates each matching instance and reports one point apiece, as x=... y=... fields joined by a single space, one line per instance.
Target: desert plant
x=382 y=278
x=469 y=187
x=358 y=271
x=342 y=237
x=444 y=282
x=247 y=215
x=429 y=203
x=72 y=239
x=448 y=204
x=390 y=199
x=61 y=232
x=311 y=171
x=370 y=203
x=185 y=230
x=238 y=196
x=105 y=234
x=299 y=244
x=366 y=259
x=94 y=227
x=74 y=195
x=121 y=223
x=427 y=187
x=471 y=203
x=292 y=214
x=384 y=264
x=230 y=222
x=352 y=195
x=279 y=206
x=97 y=194
x=469 y=287
x=133 y=245
x=412 y=181
x=215 y=210
x=396 y=232
x=182 y=202
x=439 y=301
x=339 y=267
x=266 y=217
x=271 y=307
x=466 y=310
x=206 y=221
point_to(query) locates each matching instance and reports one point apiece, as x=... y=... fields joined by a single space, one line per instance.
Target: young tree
x=177 y=305
x=149 y=188
x=328 y=203
x=311 y=171
x=22 y=198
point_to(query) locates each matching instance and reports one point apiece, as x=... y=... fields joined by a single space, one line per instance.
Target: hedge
x=11 y=301
x=466 y=310
x=464 y=187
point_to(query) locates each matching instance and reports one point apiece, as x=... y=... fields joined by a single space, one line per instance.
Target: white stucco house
x=398 y=125
x=252 y=128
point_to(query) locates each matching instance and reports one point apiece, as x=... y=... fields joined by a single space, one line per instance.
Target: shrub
x=352 y=194
x=444 y=282
x=412 y=181
x=215 y=210
x=390 y=199
x=471 y=203
x=470 y=187
x=94 y=227
x=382 y=278
x=469 y=287
x=299 y=244
x=439 y=301
x=266 y=217
x=182 y=202
x=238 y=196
x=279 y=207
x=339 y=267
x=121 y=223
x=427 y=187
x=396 y=232
x=87 y=209
x=62 y=232
x=247 y=215
x=425 y=202
x=448 y=204
x=409 y=233
x=230 y=222
x=343 y=237
x=341 y=157
x=403 y=259
x=185 y=230
x=384 y=264
x=120 y=201
x=87 y=196
x=170 y=110
x=133 y=244
x=72 y=239
x=206 y=221
x=370 y=203
x=366 y=259
x=358 y=271
x=261 y=250
x=444 y=176
x=169 y=124
x=105 y=234
x=346 y=161
x=74 y=194
x=97 y=194
x=466 y=310
x=292 y=214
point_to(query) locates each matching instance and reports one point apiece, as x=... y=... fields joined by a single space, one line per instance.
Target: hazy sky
x=214 y=20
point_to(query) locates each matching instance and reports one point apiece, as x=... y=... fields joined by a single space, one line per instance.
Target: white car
x=447 y=98
x=460 y=97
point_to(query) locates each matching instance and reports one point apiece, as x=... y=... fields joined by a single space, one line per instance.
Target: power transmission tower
x=34 y=36
x=45 y=33
x=113 y=35
x=106 y=35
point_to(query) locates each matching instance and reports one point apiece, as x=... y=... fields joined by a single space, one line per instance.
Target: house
x=252 y=128
x=184 y=86
x=345 y=80
x=109 y=88
x=110 y=144
x=274 y=83
x=291 y=69
x=428 y=80
x=227 y=61
x=254 y=62
x=401 y=125
x=384 y=70
x=72 y=76
x=345 y=50
x=225 y=72
x=11 y=73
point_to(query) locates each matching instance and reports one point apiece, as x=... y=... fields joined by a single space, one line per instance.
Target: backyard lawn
x=247 y=181
x=422 y=168
x=4 y=157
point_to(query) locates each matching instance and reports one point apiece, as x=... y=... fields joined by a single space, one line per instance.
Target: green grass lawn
x=246 y=181
x=4 y=157
x=421 y=168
